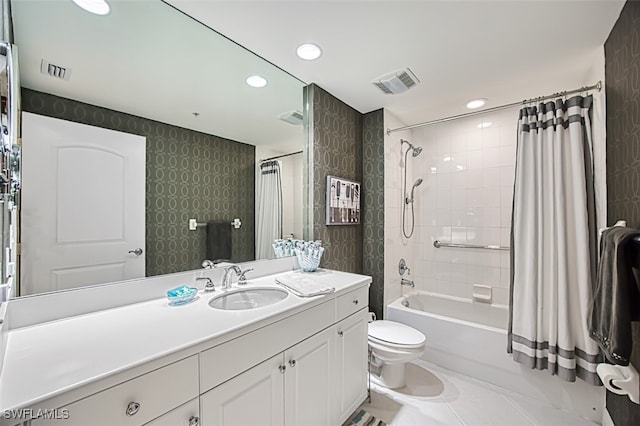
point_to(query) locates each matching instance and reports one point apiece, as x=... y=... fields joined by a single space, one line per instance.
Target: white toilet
x=392 y=345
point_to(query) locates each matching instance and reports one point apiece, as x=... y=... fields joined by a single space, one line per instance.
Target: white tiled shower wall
x=465 y=197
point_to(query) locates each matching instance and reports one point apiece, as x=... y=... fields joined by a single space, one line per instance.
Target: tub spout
x=407 y=282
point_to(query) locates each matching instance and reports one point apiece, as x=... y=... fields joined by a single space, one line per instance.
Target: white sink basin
x=248 y=298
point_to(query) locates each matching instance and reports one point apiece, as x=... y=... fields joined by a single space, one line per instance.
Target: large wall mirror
x=146 y=74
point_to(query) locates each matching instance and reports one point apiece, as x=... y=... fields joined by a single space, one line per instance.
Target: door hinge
x=18 y=249
x=19 y=141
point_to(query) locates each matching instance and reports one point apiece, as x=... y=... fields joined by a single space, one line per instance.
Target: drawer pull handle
x=194 y=421
x=132 y=408
x=292 y=362
x=282 y=369
x=355 y=301
x=340 y=333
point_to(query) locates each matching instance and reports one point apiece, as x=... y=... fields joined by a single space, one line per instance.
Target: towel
x=616 y=298
x=303 y=286
x=219 y=240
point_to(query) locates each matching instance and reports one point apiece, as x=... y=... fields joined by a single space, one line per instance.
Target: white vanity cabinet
x=318 y=381
x=296 y=368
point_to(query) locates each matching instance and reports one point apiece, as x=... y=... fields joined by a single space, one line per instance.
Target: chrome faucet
x=226 y=279
x=407 y=282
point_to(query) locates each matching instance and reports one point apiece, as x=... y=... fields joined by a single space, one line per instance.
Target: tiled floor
x=435 y=396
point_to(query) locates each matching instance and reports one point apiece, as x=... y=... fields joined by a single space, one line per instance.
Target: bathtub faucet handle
x=402 y=268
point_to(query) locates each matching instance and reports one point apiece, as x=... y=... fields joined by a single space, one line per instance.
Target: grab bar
x=438 y=244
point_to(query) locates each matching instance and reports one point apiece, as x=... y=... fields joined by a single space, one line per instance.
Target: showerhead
x=416 y=149
x=417 y=183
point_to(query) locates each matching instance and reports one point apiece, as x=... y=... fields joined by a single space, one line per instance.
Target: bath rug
x=362 y=418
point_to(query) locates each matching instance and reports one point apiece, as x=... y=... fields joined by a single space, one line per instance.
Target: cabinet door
x=185 y=415
x=253 y=398
x=351 y=363
x=310 y=381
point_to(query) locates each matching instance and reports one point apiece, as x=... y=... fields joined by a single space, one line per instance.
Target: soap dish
x=181 y=295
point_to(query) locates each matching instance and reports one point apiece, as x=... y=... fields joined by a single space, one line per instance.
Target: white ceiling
x=505 y=51
x=147 y=59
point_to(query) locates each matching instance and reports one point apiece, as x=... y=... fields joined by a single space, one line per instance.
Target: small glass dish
x=181 y=295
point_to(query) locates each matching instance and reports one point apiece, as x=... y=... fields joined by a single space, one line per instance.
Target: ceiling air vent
x=55 y=71
x=292 y=117
x=396 y=82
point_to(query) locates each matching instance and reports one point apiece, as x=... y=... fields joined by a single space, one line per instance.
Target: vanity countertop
x=48 y=359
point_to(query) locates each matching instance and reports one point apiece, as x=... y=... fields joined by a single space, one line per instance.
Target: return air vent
x=55 y=71
x=396 y=82
x=292 y=117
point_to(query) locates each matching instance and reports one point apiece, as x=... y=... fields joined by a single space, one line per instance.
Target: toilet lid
x=395 y=333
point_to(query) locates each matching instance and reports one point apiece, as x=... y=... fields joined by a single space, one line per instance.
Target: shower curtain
x=553 y=240
x=268 y=208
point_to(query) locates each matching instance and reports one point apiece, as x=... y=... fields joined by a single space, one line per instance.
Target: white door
x=352 y=363
x=310 y=391
x=83 y=205
x=253 y=398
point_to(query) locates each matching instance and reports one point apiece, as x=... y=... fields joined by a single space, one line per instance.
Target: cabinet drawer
x=185 y=415
x=153 y=394
x=352 y=302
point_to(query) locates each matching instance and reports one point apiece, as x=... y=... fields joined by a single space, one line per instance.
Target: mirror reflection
x=142 y=143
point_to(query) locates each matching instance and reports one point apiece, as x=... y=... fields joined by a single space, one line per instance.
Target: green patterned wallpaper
x=373 y=206
x=188 y=175
x=337 y=150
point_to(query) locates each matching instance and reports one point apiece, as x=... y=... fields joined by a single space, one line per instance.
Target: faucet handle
x=209 y=286
x=242 y=280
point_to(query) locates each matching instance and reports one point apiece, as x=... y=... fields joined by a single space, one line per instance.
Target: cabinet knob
x=194 y=421
x=340 y=333
x=282 y=369
x=132 y=408
x=292 y=362
x=355 y=301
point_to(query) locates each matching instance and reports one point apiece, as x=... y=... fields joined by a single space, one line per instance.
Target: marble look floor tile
x=541 y=414
x=434 y=396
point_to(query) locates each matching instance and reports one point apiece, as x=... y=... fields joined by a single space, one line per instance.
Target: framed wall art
x=343 y=201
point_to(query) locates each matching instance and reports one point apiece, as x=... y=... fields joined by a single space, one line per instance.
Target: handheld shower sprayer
x=417 y=183
x=415 y=151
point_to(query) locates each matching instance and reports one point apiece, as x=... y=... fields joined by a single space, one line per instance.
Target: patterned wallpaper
x=337 y=150
x=373 y=206
x=188 y=175
x=622 y=77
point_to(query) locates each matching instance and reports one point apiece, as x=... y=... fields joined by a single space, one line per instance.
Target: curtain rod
x=280 y=156
x=598 y=86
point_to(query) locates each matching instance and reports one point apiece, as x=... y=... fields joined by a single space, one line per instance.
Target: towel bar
x=194 y=224
x=438 y=244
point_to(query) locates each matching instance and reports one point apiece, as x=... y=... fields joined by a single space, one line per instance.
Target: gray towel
x=219 y=240
x=616 y=299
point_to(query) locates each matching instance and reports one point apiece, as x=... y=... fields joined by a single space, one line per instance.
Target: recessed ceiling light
x=476 y=103
x=99 y=7
x=256 y=81
x=484 y=124
x=308 y=51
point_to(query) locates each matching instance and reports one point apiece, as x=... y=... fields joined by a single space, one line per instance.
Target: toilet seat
x=395 y=334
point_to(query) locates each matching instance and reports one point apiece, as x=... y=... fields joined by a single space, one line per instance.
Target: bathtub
x=471 y=338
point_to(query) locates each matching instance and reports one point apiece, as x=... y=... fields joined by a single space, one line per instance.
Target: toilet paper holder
x=621 y=380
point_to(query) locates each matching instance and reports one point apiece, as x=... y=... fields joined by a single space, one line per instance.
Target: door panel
x=253 y=398
x=83 y=205
x=309 y=381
